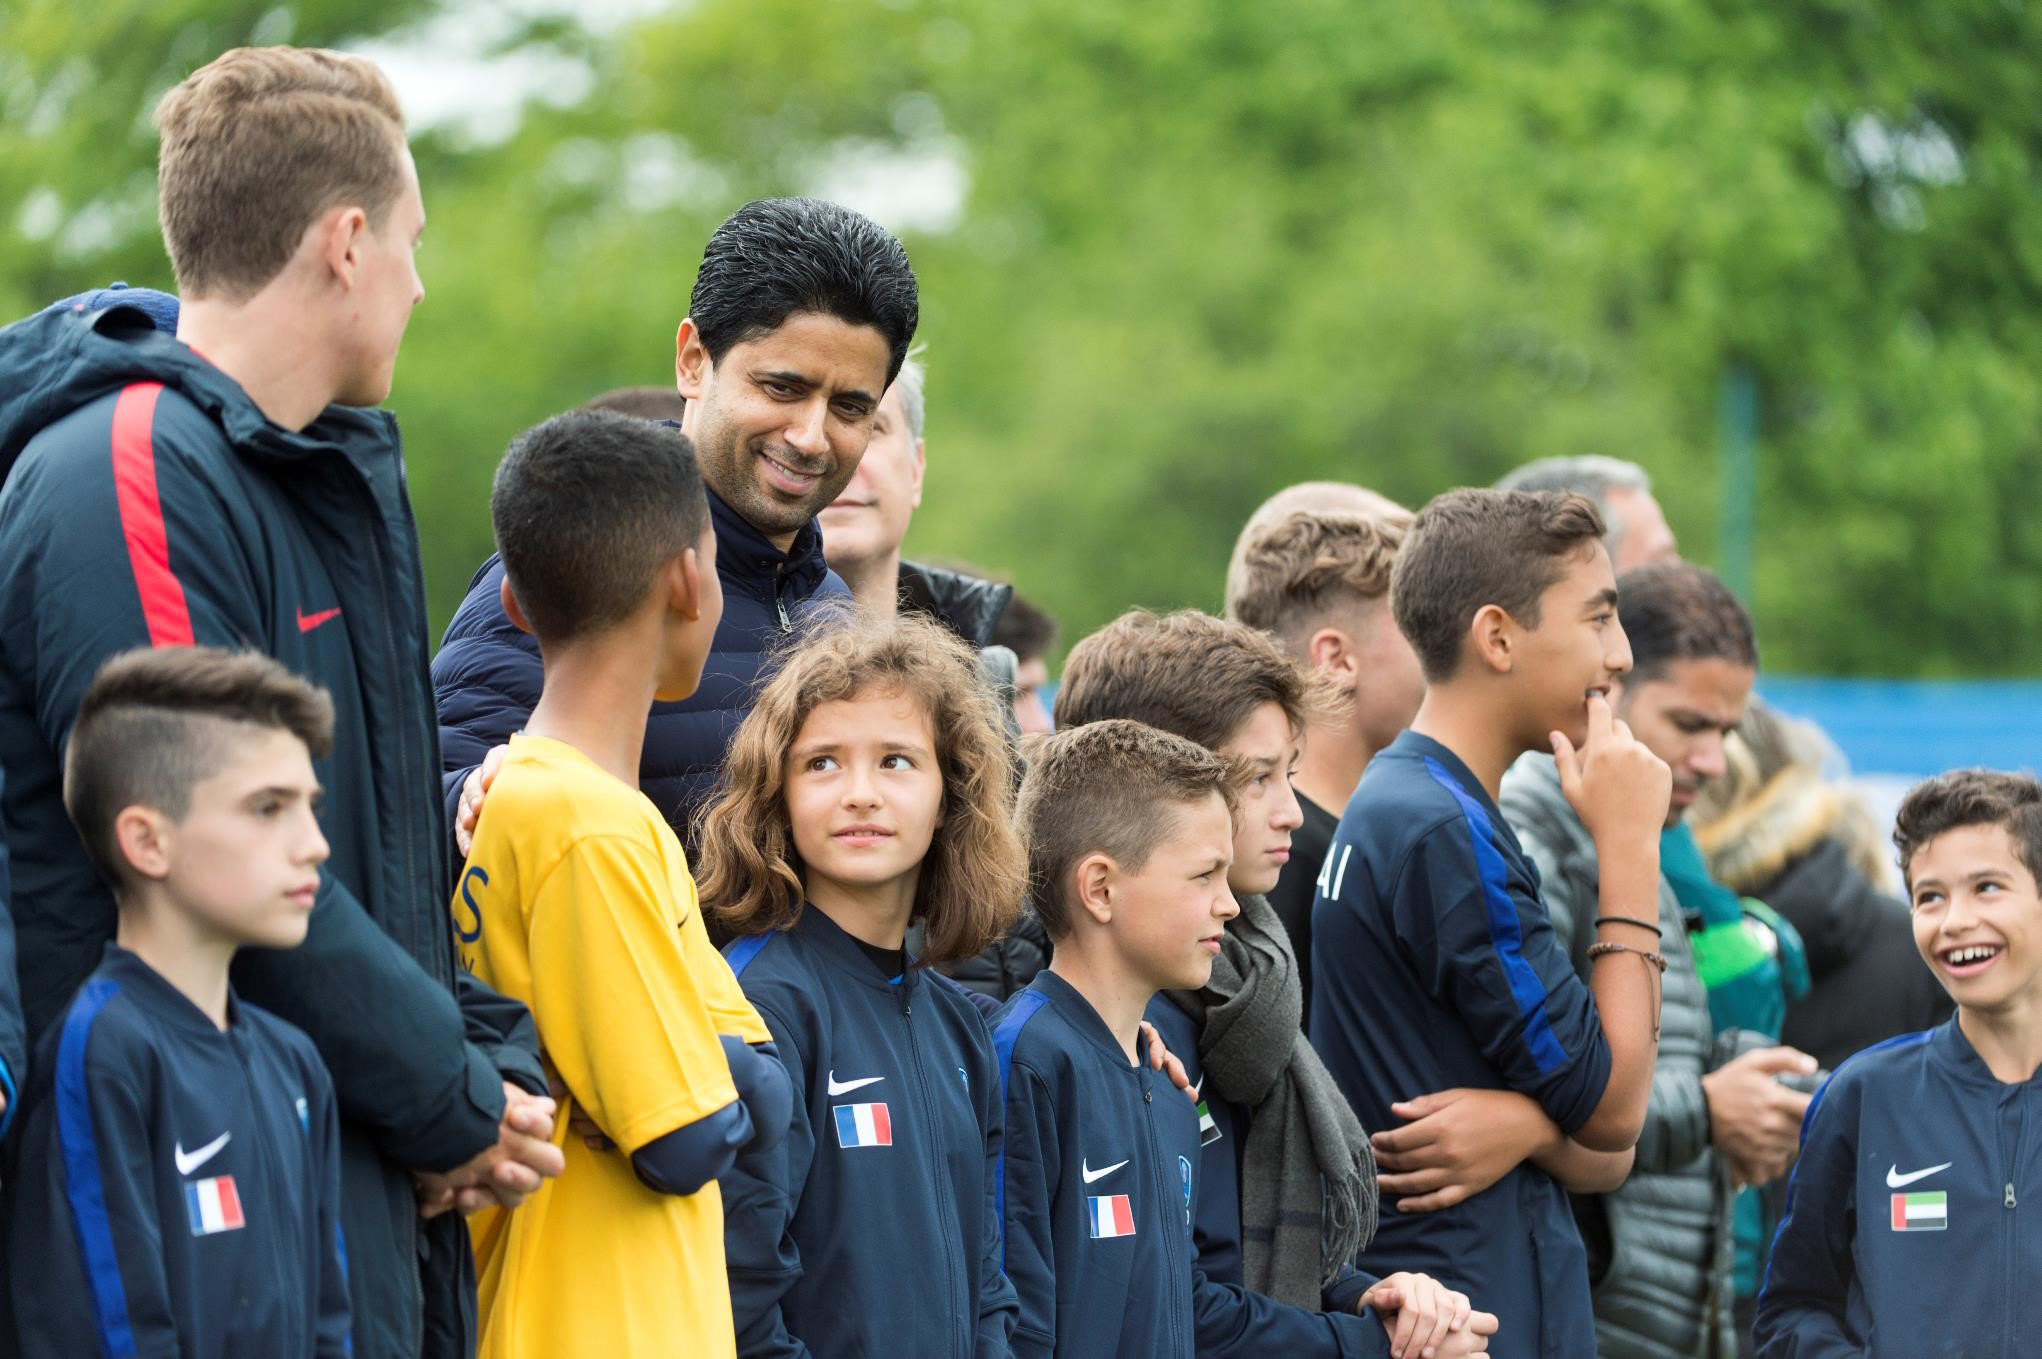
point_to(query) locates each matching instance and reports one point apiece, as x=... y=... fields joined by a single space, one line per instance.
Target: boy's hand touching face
x=1617 y=787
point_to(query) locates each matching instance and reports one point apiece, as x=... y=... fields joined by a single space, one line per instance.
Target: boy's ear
x=1092 y=888
x=1493 y=639
x=684 y=584
x=340 y=234
x=510 y=606
x=143 y=837
x=1331 y=654
x=692 y=364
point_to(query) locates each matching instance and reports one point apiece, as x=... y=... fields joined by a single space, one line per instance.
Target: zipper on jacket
x=2009 y=1234
x=1180 y=1307
x=968 y=1318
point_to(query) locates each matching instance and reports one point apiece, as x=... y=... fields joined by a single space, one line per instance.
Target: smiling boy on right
x=1902 y=1234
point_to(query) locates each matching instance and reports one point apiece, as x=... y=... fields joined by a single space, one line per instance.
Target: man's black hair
x=588 y=507
x=1676 y=611
x=779 y=256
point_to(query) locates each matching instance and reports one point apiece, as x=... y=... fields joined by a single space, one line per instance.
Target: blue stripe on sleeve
x=1005 y=1034
x=1504 y=934
x=741 y=951
x=7 y=1088
x=79 y=1144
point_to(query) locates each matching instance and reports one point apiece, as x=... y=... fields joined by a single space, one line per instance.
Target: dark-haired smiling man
x=800 y=319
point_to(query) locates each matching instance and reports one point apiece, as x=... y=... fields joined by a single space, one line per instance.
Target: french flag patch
x=213 y=1206
x=863 y=1125
x=1112 y=1215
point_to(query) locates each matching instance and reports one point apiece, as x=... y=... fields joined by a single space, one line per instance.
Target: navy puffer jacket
x=487 y=676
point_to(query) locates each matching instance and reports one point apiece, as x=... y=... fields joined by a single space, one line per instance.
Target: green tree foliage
x=1206 y=249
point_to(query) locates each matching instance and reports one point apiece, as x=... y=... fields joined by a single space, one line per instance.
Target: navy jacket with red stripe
x=145 y=500
x=190 y=1203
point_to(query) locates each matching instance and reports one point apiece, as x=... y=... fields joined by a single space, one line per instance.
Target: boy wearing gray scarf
x=1287 y=1181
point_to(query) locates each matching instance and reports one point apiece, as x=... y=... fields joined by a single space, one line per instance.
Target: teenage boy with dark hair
x=1440 y=969
x=1287 y=1193
x=1319 y=582
x=800 y=319
x=577 y=900
x=225 y=487
x=1902 y=1234
x=176 y=1187
x=1660 y=1245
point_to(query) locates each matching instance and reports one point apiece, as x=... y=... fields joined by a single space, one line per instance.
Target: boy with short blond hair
x=176 y=1186
x=1902 y=1233
x=1129 y=833
x=1287 y=1191
x=1318 y=581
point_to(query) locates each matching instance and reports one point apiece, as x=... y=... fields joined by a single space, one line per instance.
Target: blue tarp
x=1915 y=728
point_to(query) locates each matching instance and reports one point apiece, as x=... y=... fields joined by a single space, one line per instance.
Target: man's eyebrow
x=1605 y=599
x=803 y=380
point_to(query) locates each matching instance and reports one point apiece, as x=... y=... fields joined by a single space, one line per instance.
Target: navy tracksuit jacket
x=1098 y=1180
x=175 y=1191
x=1911 y=1228
x=1216 y=1225
x=1434 y=966
x=870 y=1229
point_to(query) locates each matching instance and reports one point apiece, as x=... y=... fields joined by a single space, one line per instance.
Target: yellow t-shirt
x=577 y=901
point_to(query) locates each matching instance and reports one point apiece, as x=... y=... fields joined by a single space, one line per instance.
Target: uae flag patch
x=1927 y=1212
x=863 y=1125
x=1112 y=1215
x=213 y=1206
x=1208 y=1131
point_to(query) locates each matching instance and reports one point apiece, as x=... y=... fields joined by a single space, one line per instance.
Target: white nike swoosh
x=1895 y=1180
x=188 y=1162
x=1091 y=1174
x=848 y=1086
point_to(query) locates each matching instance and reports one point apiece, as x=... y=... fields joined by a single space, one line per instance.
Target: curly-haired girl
x=869 y=788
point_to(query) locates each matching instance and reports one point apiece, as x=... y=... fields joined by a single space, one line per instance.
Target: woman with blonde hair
x=868 y=790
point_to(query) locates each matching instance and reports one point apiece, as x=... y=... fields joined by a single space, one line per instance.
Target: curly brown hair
x=973 y=880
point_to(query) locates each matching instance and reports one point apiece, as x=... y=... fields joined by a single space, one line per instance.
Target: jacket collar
x=164 y=1002
x=746 y=559
x=1955 y=1054
x=55 y=362
x=1409 y=745
x=968 y=605
x=829 y=939
x=1078 y=1012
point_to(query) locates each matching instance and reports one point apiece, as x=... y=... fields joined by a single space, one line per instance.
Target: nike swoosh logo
x=1896 y=1180
x=187 y=1162
x=309 y=621
x=847 y=1087
x=1091 y=1174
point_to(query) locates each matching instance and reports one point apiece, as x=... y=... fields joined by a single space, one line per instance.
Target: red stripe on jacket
x=134 y=488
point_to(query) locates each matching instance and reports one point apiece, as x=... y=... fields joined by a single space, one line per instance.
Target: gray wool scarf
x=1308 y=1177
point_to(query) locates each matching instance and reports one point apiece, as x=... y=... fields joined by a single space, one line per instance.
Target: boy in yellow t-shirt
x=577 y=901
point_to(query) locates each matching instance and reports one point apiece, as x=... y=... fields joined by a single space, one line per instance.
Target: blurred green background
x=1176 y=256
